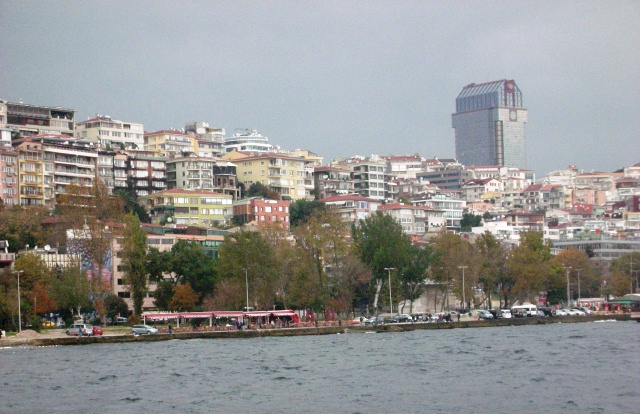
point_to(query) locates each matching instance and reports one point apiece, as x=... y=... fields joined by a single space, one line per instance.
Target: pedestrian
x=170 y=330
x=458 y=316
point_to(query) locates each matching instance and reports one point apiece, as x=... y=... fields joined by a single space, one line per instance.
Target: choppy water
x=568 y=368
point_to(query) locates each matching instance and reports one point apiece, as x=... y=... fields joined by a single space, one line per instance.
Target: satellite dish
x=47 y=248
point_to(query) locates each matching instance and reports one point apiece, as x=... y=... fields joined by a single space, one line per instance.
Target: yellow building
x=168 y=143
x=288 y=175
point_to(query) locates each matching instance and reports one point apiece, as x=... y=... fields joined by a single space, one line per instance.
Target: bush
x=133 y=320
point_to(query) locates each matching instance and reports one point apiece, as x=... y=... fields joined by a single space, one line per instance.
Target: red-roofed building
x=262 y=211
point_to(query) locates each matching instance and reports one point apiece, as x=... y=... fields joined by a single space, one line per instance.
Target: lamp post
x=568 y=291
x=246 y=279
x=464 y=301
x=579 y=296
x=19 y=308
x=389 y=269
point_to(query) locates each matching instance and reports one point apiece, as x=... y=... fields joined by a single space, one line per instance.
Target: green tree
x=584 y=278
x=71 y=290
x=129 y=199
x=380 y=243
x=300 y=210
x=134 y=248
x=189 y=263
x=493 y=266
x=450 y=253
x=163 y=295
x=251 y=251
x=414 y=272
x=22 y=226
x=470 y=220
x=529 y=265
x=261 y=190
x=623 y=274
x=115 y=307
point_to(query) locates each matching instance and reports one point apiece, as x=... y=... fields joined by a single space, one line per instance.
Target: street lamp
x=568 y=291
x=246 y=279
x=579 y=296
x=464 y=302
x=19 y=308
x=389 y=269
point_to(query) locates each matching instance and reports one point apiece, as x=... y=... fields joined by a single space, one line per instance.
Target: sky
x=338 y=78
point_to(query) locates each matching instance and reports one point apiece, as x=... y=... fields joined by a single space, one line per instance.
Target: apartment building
x=206 y=173
x=352 y=207
x=261 y=211
x=403 y=166
x=290 y=176
x=111 y=133
x=9 y=176
x=30 y=173
x=188 y=207
x=452 y=208
x=148 y=173
x=29 y=120
x=482 y=189
x=168 y=143
x=369 y=176
x=207 y=141
x=331 y=181
x=415 y=220
x=447 y=174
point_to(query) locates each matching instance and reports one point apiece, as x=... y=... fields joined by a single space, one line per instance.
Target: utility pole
x=246 y=278
x=464 y=301
x=579 y=296
x=568 y=290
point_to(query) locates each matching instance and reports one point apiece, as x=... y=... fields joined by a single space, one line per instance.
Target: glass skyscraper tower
x=489 y=124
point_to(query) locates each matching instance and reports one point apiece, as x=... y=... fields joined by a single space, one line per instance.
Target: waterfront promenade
x=54 y=337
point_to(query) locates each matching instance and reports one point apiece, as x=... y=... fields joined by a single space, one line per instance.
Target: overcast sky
x=338 y=77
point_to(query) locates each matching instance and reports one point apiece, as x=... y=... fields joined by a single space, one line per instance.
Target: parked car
x=504 y=314
x=484 y=314
x=572 y=312
x=97 y=330
x=545 y=310
x=401 y=318
x=121 y=319
x=579 y=311
x=80 y=329
x=143 y=330
x=370 y=321
x=60 y=324
x=359 y=321
x=586 y=311
x=47 y=324
x=560 y=312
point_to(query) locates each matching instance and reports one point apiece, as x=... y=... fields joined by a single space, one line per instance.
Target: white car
x=587 y=311
x=560 y=312
x=572 y=312
x=580 y=312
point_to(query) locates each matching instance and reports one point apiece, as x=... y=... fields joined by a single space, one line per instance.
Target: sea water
x=557 y=368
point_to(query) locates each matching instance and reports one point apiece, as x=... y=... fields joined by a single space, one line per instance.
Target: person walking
x=170 y=329
x=458 y=316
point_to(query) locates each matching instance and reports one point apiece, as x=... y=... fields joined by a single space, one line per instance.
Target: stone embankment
x=32 y=339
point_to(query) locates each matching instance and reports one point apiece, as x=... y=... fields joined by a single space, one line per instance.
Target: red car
x=97 y=330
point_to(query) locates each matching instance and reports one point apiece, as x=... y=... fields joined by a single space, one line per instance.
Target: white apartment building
x=111 y=133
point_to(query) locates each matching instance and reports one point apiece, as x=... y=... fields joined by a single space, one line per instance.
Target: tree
x=185 y=298
x=190 y=263
x=623 y=274
x=130 y=201
x=414 y=272
x=261 y=190
x=451 y=252
x=380 y=243
x=321 y=245
x=115 y=307
x=493 y=266
x=529 y=266
x=584 y=279
x=134 y=247
x=22 y=226
x=71 y=290
x=300 y=210
x=163 y=295
x=250 y=251
x=470 y=220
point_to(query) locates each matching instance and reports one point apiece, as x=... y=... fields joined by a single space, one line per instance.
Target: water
x=569 y=368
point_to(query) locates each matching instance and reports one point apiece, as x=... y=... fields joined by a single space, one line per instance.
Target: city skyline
x=337 y=78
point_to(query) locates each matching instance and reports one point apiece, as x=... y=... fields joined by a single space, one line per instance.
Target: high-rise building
x=489 y=124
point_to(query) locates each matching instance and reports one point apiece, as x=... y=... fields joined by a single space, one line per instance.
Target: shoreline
x=323 y=330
